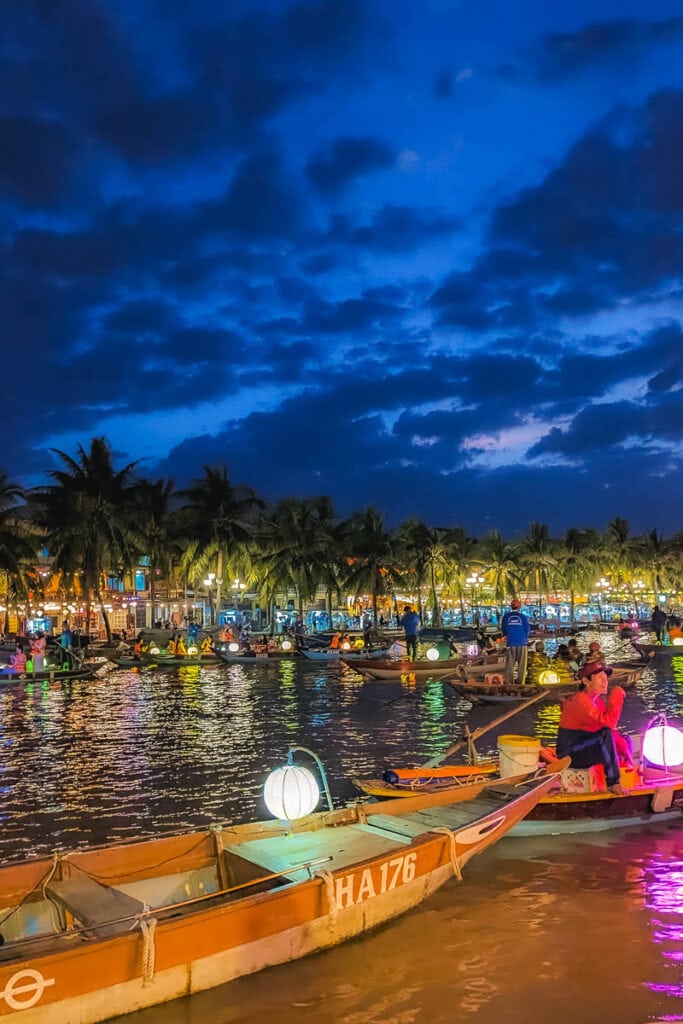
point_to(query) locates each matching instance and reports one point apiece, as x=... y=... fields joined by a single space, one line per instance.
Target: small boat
x=481 y=692
x=652 y=794
x=335 y=654
x=50 y=674
x=661 y=652
x=252 y=657
x=387 y=669
x=89 y=935
x=405 y=782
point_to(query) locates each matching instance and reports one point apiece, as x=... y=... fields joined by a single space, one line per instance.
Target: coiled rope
x=149 y=953
x=328 y=880
x=457 y=869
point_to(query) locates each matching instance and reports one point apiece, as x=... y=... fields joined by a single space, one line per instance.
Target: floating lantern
x=663 y=745
x=286 y=645
x=548 y=678
x=192 y=650
x=433 y=654
x=233 y=647
x=291 y=792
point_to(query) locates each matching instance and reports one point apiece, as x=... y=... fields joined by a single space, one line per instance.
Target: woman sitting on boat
x=562 y=664
x=206 y=646
x=171 y=649
x=18 y=659
x=180 y=648
x=587 y=731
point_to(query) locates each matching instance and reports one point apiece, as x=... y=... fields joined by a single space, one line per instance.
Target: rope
x=40 y=884
x=148 y=928
x=457 y=870
x=328 y=880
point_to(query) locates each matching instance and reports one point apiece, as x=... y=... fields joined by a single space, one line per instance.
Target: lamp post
x=208 y=583
x=475 y=580
x=601 y=587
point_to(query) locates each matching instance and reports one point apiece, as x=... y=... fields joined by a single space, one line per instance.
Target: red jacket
x=582 y=712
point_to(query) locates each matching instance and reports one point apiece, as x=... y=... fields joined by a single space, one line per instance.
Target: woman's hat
x=592 y=668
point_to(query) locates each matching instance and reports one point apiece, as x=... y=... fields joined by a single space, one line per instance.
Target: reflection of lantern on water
x=548 y=678
x=663 y=889
x=433 y=654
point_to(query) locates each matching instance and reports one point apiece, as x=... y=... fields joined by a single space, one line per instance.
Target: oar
x=472 y=736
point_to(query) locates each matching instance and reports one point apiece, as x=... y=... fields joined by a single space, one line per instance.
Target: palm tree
x=423 y=551
x=288 y=538
x=538 y=559
x=459 y=553
x=574 y=562
x=87 y=517
x=17 y=548
x=371 y=557
x=156 y=530
x=218 y=520
x=501 y=566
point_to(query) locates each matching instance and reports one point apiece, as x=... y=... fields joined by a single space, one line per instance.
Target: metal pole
x=323 y=776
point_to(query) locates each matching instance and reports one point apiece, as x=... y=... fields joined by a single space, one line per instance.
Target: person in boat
x=410 y=621
x=516 y=628
x=563 y=665
x=180 y=648
x=18 y=659
x=595 y=653
x=537 y=662
x=38 y=648
x=576 y=655
x=588 y=720
x=206 y=646
x=485 y=642
x=658 y=622
x=66 y=637
x=171 y=648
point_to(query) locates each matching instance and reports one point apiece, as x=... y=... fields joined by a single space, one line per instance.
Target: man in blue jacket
x=516 y=628
x=410 y=621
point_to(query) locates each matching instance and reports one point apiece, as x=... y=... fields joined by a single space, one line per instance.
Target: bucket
x=518 y=754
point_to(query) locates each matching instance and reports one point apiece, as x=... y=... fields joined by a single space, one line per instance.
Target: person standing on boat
x=38 y=648
x=410 y=621
x=516 y=628
x=587 y=731
x=658 y=622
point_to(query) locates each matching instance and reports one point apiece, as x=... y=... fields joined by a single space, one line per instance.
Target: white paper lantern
x=286 y=645
x=291 y=792
x=677 y=641
x=192 y=651
x=472 y=650
x=548 y=678
x=233 y=647
x=663 y=746
x=433 y=654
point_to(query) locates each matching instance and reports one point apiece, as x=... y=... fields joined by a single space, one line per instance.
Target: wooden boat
x=652 y=795
x=661 y=652
x=387 y=669
x=406 y=782
x=255 y=657
x=160 y=662
x=625 y=674
x=48 y=674
x=335 y=655
x=89 y=935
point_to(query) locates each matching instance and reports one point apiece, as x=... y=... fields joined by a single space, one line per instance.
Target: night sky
x=426 y=256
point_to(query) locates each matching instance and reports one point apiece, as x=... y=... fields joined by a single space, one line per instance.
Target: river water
x=574 y=930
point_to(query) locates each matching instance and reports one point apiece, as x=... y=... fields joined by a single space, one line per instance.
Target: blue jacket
x=411 y=623
x=516 y=628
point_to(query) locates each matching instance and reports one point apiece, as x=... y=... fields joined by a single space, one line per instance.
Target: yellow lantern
x=548 y=678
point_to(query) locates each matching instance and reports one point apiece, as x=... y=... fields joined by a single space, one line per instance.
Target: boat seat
x=103 y=910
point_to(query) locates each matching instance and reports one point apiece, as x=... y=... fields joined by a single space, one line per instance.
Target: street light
x=475 y=580
x=601 y=587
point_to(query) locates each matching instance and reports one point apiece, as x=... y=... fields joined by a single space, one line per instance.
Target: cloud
x=37 y=159
x=560 y=54
x=346 y=159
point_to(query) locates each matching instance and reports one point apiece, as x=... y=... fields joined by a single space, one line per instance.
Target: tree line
x=98 y=521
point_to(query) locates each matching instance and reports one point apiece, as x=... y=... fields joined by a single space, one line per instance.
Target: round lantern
x=677 y=641
x=286 y=645
x=346 y=646
x=663 y=746
x=154 y=649
x=432 y=654
x=192 y=651
x=548 y=678
x=291 y=792
x=233 y=647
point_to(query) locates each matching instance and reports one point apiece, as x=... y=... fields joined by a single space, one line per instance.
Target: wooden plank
x=95 y=905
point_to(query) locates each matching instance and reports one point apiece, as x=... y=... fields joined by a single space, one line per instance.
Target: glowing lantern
x=233 y=647
x=677 y=641
x=663 y=745
x=154 y=649
x=192 y=651
x=548 y=678
x=291 y=792
x=346 y=646
x=286 y=645
x=433 y=654
x=472 y=650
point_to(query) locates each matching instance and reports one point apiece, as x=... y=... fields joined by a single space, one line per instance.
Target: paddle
x=472 y=736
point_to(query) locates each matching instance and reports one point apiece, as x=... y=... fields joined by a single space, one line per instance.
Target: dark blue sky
x=426 y=256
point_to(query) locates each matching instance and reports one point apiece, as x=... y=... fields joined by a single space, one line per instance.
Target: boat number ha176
x=363 y=885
